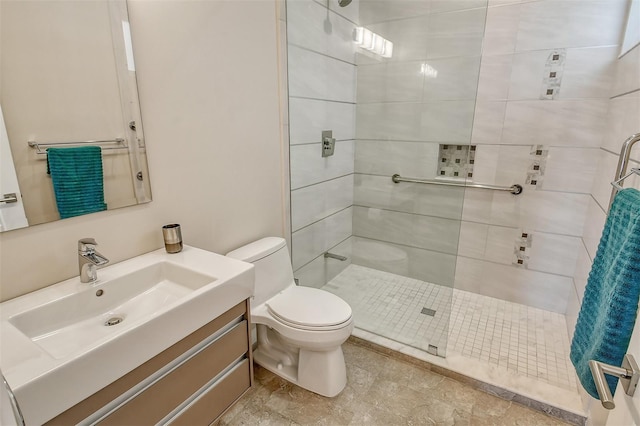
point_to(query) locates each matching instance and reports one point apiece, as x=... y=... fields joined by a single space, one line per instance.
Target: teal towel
x=77 y=178
x=610 y=302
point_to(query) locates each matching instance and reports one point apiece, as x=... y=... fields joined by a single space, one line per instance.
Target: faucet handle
x=84 y=242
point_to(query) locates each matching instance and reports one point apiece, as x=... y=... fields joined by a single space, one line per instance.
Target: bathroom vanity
x=160 y=338
x=191 y=383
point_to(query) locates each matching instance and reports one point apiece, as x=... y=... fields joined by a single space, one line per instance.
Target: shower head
x=344 y=3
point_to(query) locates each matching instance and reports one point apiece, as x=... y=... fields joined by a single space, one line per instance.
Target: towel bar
x=629 y=374
x=39 y=145
x=617 y=184
x=623 y=162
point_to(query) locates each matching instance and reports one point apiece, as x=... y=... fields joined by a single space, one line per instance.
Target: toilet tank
x=270 y=257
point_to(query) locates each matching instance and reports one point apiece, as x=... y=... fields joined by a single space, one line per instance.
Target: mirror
x=67 y=80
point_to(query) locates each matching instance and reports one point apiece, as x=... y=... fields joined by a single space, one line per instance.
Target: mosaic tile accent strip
x=522 y=249
x=537 y=166
x=456 y=161
x=552 y=78
x=518 y=338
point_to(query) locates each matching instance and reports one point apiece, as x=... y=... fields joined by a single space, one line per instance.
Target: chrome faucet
x=89 y=259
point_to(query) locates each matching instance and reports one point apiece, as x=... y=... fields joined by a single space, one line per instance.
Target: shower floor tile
x=438 y=319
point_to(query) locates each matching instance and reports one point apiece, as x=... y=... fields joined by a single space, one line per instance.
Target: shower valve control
x=328 y=143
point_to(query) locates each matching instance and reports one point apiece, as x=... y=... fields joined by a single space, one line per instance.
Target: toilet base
x=323 y=373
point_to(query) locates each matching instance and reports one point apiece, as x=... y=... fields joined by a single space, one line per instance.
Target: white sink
x=67 y=341
x=68 y=324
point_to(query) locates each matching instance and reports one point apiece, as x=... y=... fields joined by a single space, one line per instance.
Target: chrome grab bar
x=623 y=162
x=9 y=198
x=629 y=374
x=514 y=189
x=328 y=255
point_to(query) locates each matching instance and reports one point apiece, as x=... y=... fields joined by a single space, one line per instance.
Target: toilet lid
x=309 y=307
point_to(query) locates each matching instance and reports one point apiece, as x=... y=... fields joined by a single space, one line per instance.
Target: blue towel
x=610 y=302
x=77 y=179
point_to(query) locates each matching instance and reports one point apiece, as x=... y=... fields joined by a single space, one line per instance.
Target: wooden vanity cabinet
x=172 y=388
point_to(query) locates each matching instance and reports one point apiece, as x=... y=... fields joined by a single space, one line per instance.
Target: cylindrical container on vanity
x=172 y=238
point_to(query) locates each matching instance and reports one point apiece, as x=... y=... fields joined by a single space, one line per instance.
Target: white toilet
x=300 y=329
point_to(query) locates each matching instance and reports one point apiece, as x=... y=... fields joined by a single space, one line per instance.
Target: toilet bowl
x=300 y=330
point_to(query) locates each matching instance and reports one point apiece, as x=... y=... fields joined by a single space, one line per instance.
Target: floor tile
x=381 y=390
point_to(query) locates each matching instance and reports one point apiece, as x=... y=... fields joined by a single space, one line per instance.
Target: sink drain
x=113 y=321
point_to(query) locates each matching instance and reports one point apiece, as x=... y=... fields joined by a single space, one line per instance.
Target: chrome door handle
x=629 y=374
x=9 y=198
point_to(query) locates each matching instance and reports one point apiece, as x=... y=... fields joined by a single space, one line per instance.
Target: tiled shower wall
x=546 y=74
x=322 y=95
x=550 y=142
x=546 y=71
x=407 y=107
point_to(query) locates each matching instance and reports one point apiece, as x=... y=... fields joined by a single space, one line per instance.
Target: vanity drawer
x=173 y=389
x=118 y=389
x=211 y=404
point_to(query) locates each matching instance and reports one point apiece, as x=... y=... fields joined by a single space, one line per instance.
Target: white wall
x=208 y=81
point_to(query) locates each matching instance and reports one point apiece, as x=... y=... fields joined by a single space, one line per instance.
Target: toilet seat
x=309 y=308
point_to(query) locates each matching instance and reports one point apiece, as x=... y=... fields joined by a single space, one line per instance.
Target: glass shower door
x=395 y=82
